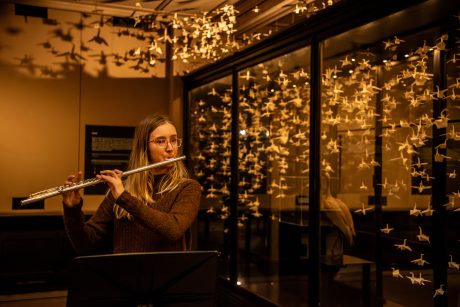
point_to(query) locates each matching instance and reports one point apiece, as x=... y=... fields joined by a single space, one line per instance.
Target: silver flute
x=89 y=182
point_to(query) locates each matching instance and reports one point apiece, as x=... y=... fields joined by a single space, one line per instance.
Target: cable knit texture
x=161 y=226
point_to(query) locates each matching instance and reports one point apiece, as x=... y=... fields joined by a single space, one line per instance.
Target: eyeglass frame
x=178 y=142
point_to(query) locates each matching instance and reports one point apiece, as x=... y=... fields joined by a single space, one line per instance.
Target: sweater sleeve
x=173 y=224
x=85 y=237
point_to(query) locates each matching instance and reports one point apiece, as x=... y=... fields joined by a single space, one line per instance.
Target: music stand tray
x=170 y=279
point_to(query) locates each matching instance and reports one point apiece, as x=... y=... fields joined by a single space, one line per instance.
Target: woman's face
x=162 y=146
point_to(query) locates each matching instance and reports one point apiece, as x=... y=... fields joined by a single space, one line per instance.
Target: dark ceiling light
x=123 y=21
x=30 y=11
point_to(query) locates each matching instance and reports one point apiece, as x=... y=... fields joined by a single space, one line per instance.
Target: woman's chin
x=161 y=170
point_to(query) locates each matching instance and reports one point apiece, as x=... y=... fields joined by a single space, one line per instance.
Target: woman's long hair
x=141 y=185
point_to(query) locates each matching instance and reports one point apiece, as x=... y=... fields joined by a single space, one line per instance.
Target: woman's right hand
x=73 y=198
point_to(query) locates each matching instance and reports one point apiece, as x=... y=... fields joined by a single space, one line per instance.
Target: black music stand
x=144 y=279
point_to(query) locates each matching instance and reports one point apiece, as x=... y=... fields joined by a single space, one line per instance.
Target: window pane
x=273 y=173
x=378 y=100
x=210 y=121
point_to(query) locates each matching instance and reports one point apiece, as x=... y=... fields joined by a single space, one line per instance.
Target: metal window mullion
x=314 y=249
x=234 y=182
x=439 y=189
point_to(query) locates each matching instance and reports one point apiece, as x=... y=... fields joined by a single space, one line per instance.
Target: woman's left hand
x=113 y=179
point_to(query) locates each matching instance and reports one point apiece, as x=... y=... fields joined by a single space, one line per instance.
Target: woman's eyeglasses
x=163 y=142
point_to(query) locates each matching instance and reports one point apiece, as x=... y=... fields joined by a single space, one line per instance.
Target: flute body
x=89 y=182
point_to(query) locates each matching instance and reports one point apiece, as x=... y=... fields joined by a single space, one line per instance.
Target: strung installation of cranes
x=274 y=126
x=138 y=39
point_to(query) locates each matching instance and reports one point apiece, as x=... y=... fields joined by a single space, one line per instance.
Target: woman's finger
x=79 y=176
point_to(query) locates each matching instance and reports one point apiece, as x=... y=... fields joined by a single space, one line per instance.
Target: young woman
x=151 y=211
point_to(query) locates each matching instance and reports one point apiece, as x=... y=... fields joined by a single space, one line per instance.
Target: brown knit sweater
x=162 y=226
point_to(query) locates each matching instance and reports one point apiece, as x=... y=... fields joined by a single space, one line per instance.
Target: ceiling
x=252 y=15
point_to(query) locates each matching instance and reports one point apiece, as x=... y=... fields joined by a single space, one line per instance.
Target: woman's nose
x=169 y=147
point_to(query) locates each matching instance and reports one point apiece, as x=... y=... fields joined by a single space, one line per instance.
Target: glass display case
x=386 y=175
